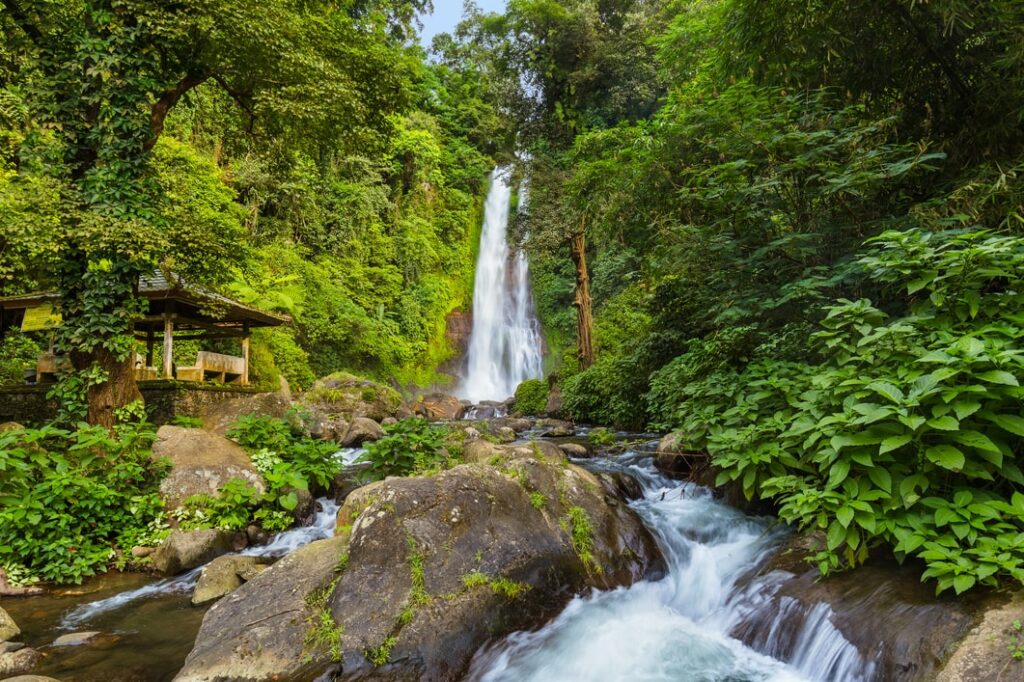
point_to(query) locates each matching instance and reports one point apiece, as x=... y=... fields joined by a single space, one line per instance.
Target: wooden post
x=150 y=342
x=583 y=302
x=245 y=354
x=168 y=347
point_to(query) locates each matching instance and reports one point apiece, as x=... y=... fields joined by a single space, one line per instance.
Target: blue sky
x=447 y=14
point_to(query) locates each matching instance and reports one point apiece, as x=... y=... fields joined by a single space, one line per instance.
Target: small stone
x=576 y=450
x=17 y=662
x=31 y=678
x=361 y=431
x=471 y=433
x=75 y=638
x=8 y=647
x=220 y=577
x=142 y=552
x=8 y=628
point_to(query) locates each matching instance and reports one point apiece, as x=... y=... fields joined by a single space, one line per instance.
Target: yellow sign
x=39 y=318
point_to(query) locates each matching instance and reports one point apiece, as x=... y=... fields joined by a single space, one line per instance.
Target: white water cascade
x=679 y=627
x=505 y=344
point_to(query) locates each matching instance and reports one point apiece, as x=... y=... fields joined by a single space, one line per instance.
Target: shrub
x=410 y=446
x=909 y=433
x=17 y=354
x=69 y=498
x=531 y=396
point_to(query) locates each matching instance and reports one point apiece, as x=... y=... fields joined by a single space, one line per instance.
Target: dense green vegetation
x=305 y=159
x=804 y=229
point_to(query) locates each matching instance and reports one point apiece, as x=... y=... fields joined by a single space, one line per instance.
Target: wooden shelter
x=176 y=310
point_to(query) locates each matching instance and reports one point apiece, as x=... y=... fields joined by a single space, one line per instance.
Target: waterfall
x=505 y=344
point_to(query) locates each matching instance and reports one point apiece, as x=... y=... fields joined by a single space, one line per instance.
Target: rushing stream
x=678 y=627
x=505 y=344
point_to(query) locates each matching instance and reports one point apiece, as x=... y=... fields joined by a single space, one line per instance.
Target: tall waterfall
x=505 y=344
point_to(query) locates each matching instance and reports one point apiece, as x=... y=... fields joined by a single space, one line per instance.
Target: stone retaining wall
x=164 y=399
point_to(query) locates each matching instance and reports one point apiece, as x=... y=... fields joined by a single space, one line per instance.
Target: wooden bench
x=49 y=364
x=217 y=366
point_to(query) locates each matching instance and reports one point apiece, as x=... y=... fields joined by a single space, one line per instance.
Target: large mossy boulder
x=201 y=463
x=220 y=416
x=434 y=567
x=438 y=407
x=342 y=397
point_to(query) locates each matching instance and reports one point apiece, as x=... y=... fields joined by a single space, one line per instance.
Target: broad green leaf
x=975 y=439
x=838 y=472
x=845 y=516
x=964 y=408
x=963 y=582
x=1008 y=422
x=881 y=478
x=998 y=376
x=887 y=390
x=946 y=456
x=944 y=423
x=836 y=535
x=894 y=443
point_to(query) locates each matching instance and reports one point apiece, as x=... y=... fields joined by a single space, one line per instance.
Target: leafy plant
x=601 y=436
x=908 y=434
x=531 y=397
x=68 y=499
x=410 y=446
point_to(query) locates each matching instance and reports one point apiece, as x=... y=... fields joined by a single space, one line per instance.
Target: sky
x=447 y=14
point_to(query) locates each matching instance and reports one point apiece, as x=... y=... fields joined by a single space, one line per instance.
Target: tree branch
x=23 y=22
x=243 y=98
x=167 y=101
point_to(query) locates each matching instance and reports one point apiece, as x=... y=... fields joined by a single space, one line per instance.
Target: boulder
x=504 y=434
x=517 y=424
x=577 y=450
x=222 y=576
x=183 y=550
x=362 y=430
x=895 y=621
x=672 y=459
x=346 y=396
x=555 y=428
x=8 y=628
x=435 y=567
x=472 y=433
x=18 y=662
x=201 y=463
x=262 y=630
x=220 y=416
x=982 y=654
x=7 y=647
x=75 y=638
x=11 y=426
x=437 y=407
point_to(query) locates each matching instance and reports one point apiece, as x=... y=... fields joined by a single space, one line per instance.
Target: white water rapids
x=505 y=344
x=676 y=628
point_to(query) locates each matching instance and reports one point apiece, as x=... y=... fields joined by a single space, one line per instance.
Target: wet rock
x=30 y=678
x=626 y=486
x=472 y=433
x=895 y=621
x=183 y=550
x=259 y=631
x=437 y=407
x=223 y=576
x=18 y=662
x=7 y=647
x=256 y=535
x=577 y=450
x=323 y=428
x=362 y=430
x=142 y=552
x=556 y=428
x=9 y=590
x=346 y=396
x=201 y=463
x=421 y=583
x=76 y=638
x=8 y=628
x=982 y=654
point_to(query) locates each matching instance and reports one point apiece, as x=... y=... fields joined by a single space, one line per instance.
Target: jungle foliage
x=804 y=229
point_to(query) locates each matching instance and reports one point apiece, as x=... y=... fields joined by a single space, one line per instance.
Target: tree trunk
x=117 y=391
x=582 y=302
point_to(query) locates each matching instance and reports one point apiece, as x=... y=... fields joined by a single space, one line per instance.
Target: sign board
x=39 y=318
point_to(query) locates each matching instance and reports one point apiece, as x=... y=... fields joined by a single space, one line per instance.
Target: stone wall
x=164 y=399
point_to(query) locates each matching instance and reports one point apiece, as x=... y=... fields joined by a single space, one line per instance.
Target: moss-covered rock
x=345 y=396
x=531 y=397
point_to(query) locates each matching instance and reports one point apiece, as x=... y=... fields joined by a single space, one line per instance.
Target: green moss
x=322 y=632
x=582 y=533
x=474 y=579
x=510 y=589
x=537 y=499
x=381 y=655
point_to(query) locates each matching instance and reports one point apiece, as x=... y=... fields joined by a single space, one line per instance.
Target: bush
x=908 y=435
x=410 y=446
x=17 y=354
x=531 y=396
x=68 y=499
